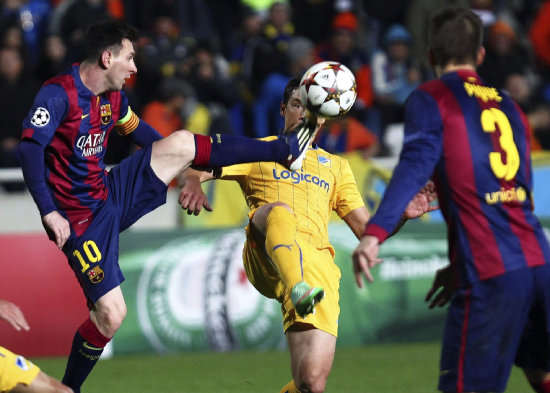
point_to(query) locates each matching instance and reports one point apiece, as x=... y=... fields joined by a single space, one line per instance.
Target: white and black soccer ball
x=328 y=89
x=41 y=117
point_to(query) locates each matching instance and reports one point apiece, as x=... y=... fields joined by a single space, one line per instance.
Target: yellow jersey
x=325 y=183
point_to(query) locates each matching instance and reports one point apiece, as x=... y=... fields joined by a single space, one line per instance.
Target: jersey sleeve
x=48 y=110
x=348 y=197
x=422 y=147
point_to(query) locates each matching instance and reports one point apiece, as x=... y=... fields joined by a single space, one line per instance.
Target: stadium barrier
x=187 y=291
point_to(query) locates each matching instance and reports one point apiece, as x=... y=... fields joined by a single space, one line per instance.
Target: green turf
x=399 y=368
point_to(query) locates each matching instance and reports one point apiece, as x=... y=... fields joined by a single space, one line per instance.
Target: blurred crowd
x=220 y=66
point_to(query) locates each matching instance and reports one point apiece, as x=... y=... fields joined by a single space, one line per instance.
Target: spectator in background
x=160 y=50
x=269 y=54
x=267 y=108
x=163 y=46
x=537 y=112
x=395 y=75
x=278 y=28
x=485 y=10
x=241 y=63
x=53 y=58
x=260 y=6
x=319 y=15
x=208 y=73
x=539 y=35
x=416 y=21
x=12 y=37
x=17 y=90
x=75 y=20
x=342 y=47
x=31 y=17
x=505 y=56
x=176 y=108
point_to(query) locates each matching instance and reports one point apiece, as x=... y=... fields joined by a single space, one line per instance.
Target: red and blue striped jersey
x=474 y=142
x=73 y=127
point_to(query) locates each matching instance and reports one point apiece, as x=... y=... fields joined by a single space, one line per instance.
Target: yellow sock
x=281 y=245
x=290 y=388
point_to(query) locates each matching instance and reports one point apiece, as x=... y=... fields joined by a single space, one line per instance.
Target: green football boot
x=305 y=298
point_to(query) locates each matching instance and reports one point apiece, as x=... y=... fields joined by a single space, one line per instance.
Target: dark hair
x=293 y=84
x=455 y=36
x=106 y=35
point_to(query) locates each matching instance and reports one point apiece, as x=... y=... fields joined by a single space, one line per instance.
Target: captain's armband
x=128 y=123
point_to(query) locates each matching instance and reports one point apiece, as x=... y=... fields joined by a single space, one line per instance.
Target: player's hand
x=442 y=288
x=192 y=198
x=421 y=203
x=57 y=227
x=13 y=315
x=364 y=258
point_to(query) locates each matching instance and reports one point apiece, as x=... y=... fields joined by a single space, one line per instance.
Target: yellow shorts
x=319 y=270
x=15 y=369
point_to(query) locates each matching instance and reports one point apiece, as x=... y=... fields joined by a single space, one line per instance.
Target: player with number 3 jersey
x=474 y=142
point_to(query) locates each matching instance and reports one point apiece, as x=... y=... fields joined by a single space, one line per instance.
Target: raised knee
x=279 y=204
x=183 y=144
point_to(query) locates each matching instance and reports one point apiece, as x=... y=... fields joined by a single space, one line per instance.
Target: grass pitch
x=396 y=368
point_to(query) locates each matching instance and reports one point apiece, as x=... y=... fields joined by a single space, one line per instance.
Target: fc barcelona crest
x=105 y=111
x=96 y=274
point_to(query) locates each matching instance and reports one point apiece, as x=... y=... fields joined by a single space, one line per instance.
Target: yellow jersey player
x=287 y=254
x=17 y=374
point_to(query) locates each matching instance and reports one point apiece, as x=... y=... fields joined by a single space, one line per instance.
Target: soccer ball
x=328 y=89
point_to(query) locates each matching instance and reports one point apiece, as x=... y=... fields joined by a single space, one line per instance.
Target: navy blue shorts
x=534 y=349
x=484 y=327
x=134 y=190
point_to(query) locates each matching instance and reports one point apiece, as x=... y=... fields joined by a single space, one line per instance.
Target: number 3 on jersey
x=490 y=119
x=92 y=254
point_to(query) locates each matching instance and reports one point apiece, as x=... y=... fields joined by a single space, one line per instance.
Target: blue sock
x=84 y=355
x=230 y=149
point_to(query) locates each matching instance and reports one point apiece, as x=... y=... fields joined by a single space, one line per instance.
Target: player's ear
x=282 y=109
x=480 y=55
x=105 y=60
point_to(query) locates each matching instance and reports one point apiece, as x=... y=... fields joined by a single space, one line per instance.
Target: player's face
x=294 y=111
x=121 y=66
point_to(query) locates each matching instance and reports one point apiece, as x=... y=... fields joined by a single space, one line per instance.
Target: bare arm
x=365 y=255
x=357 y=220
